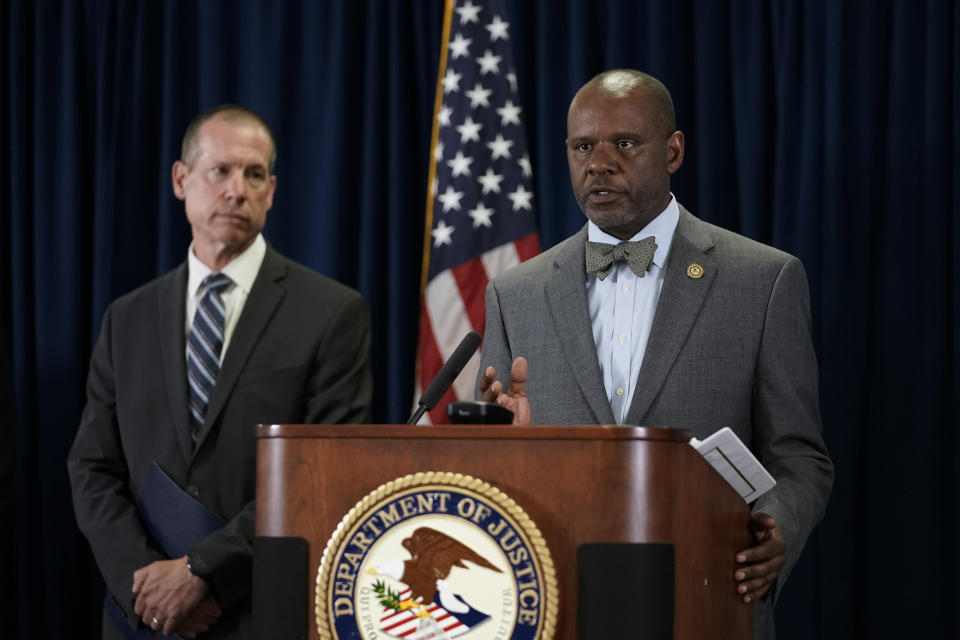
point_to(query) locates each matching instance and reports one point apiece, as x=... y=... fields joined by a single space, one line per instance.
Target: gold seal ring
x=411 y=484
x=695 y=271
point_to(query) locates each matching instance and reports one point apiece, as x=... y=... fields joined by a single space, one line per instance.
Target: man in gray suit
x=185 y=368
x=649 y=316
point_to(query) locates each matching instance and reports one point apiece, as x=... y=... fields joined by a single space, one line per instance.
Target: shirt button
x=193 y=490
x=620 y=392
x=626 y=288
x=622 y=339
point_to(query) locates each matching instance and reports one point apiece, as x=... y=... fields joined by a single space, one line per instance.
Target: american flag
x=480 y=210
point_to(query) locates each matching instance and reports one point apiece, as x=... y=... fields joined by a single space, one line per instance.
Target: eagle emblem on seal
x=426 y=598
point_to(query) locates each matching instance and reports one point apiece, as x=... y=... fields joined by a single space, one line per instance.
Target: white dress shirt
x=242 y=270
x=622 y=307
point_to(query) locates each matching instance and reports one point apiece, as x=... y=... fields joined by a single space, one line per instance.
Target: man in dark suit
x=649 y=316
x=187 y=365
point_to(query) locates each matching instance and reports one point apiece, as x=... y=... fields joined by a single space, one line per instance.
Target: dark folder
x=173 y=518
x=175 y=521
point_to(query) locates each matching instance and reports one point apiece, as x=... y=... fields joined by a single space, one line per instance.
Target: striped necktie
x=204 y=345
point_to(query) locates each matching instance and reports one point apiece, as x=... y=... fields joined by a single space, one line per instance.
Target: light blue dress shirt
x=622 y=307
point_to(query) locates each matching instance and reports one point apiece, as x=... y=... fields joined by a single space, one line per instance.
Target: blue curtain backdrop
x=830 y=129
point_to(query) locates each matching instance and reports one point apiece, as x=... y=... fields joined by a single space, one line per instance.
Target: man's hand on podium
x=763 y=561
x=491 y=390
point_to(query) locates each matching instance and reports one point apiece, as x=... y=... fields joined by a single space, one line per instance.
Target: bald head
x=622 y=148
x=624 y=83
x=233 y=114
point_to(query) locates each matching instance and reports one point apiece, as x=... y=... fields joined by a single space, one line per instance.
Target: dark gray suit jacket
x=732 y=348
x=299 y=354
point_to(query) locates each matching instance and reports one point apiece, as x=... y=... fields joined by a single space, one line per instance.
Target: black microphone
x=448 y=373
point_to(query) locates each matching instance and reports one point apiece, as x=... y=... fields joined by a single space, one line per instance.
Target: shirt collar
x=242 y=270
x=661 y=228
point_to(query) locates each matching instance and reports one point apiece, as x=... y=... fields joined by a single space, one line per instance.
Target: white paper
x=733 y=460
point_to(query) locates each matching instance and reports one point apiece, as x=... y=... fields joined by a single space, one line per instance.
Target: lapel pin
x=695 y=271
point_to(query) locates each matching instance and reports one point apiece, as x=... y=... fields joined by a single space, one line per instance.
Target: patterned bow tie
x=639 y=255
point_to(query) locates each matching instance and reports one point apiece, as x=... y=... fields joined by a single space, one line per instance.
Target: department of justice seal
x=436 y=555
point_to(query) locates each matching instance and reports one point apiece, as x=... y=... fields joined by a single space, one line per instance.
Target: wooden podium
x=579 y=484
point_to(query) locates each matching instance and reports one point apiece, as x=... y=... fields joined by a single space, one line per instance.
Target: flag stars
x=489 y=63
x=500 y=148
x=444 y=116
x=460 y=165
x=442 y=234
x=512 y=79
x=481 y=216
x=451 y=81
x=498 y=29
x=479 y=96
x=438 y=152
x=521 y=199
x=469 y=130
x=524 y=163
x=460 y=46
x=509 y=114
x=469 y=13
x=450 y=199
x=490 y=182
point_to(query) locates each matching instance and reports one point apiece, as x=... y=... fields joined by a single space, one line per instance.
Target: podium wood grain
x=578 y=483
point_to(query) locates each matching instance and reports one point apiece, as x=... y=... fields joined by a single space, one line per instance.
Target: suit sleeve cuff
x=199 y=568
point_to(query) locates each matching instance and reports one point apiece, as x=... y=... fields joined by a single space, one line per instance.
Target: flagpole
x=435 y=132
x=432 y=173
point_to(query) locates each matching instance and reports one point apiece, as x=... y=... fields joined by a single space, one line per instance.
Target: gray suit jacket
x=299 y=354
x=732 y=348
